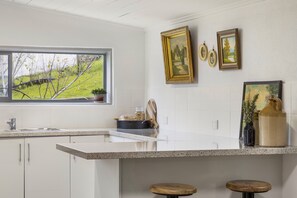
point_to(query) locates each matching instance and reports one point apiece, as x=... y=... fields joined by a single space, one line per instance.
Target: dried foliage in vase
x=249 y=109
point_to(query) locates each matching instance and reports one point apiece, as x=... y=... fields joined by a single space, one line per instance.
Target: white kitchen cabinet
x=34 y=168
x=46 y=168
x=83 y=171
x=12 y=168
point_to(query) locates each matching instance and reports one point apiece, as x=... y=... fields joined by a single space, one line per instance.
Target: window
x=69 y=75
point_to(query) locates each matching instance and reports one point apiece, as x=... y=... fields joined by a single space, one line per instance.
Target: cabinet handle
x=29 y=152
x=20 y=152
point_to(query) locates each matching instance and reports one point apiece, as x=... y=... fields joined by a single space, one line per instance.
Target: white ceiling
x=140 y=13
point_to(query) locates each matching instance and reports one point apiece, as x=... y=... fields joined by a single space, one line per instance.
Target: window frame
x=9 y=88
x=107 y=70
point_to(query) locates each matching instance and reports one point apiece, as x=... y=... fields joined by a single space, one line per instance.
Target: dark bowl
x=133 y=124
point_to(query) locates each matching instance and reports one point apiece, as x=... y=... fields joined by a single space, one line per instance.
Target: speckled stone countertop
x=45 y=133
x=157 y=144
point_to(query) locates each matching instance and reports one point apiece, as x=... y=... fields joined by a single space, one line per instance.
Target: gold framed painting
x=177 y=53
x=229 y=49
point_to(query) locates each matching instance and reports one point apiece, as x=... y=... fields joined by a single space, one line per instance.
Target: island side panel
x=107 y=178
x=208 y=174
x=289 y=176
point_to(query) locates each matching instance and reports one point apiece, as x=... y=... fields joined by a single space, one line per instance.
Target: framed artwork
x=203 y=52
x=177 y=53
x=212 y=58
x=265 y=89
x=229 y=49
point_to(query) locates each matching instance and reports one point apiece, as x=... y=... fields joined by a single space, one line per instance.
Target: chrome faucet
x=12 y=123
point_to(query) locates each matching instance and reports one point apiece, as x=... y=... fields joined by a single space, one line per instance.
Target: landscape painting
x=229 y=49
x=177 y=55
x=266 y=90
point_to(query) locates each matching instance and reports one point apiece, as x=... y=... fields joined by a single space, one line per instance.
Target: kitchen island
x=155 y=144
x=126 y=169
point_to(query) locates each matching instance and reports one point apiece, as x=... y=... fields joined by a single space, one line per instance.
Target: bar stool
x=248 y=187
x=173 y=190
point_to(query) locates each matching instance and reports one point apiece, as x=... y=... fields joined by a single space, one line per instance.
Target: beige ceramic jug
x=273 y=125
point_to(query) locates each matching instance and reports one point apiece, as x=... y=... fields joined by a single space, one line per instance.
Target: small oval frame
x=203 y=52
x=212 y=58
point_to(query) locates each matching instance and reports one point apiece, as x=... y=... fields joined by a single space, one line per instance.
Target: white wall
x=23 y=26
x=268 y=44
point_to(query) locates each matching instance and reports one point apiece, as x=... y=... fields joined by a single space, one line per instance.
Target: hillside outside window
x=53 y=75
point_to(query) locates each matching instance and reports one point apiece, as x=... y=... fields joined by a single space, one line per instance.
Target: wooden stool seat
x=173 y=189
x=248 y=187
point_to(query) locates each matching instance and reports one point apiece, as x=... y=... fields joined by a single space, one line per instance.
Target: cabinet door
x=12 y=168
x=83 y=171
x=46 y=168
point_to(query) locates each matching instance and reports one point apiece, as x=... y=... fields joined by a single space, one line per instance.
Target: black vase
x=249 y=134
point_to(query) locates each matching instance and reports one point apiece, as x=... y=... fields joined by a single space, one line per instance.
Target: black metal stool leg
x=172 y=196
x=247 y=195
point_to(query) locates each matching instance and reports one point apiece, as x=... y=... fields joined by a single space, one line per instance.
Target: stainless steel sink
x=33 y=130
x=39 y=129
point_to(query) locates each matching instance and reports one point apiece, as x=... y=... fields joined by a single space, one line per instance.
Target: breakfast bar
x=127 y=168
x=151 y=143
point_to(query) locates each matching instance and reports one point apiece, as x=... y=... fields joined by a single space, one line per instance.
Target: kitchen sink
x=39 y=129
x=33 y=130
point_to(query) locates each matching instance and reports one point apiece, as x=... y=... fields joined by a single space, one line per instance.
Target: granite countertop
x=35 y=132
x=161 y=144
x=149 y=143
